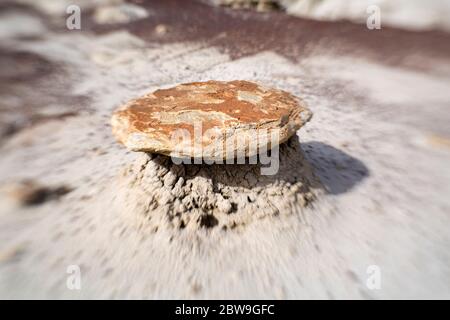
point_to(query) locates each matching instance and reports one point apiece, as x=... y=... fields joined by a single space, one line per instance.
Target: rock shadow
x=338 y=171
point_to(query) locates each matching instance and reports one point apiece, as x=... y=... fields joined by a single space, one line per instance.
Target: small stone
x=209 y=120
x=224 y=206
x=12 y=253
x=161 y=29
x=169 y=179
x=438 y=141
x=28 y=193
x=122 y=13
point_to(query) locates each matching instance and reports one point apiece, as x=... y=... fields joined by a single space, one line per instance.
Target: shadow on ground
x=338 y=171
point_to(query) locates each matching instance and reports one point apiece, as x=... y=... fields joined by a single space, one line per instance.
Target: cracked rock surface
x=210 y=119
x=226 y=196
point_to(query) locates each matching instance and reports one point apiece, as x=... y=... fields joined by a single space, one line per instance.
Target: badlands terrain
x=363 y=186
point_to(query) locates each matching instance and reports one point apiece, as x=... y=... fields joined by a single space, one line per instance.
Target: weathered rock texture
x=210 y=119
x=225 y=196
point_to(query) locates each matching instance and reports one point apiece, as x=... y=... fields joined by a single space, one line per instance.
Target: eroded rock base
x=224 y=196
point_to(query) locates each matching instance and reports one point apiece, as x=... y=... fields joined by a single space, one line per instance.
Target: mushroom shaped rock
x=209 y=120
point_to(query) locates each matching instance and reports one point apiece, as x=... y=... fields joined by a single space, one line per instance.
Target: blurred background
x=75 y=219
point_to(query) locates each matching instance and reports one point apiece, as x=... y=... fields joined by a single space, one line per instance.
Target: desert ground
x=365 y=183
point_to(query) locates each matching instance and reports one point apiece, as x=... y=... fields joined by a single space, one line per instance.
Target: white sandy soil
x=379 y=142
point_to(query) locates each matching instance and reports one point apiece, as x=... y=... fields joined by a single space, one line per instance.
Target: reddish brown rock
x=210 y=119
